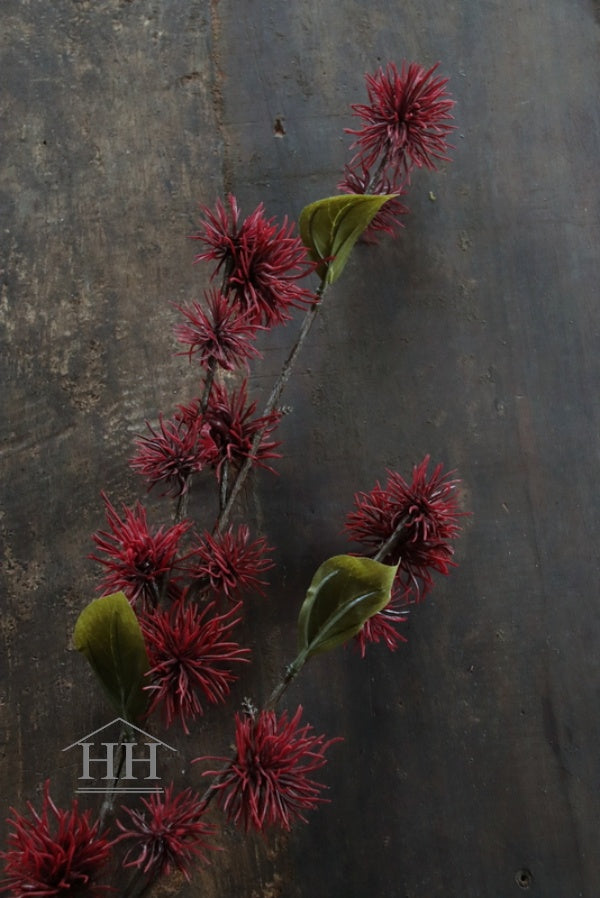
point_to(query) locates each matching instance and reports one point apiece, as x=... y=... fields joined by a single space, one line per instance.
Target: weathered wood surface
x=470 y=755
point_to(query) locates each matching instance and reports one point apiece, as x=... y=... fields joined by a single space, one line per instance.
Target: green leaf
x=344 y=593
x=330 y=227
x=107 y=632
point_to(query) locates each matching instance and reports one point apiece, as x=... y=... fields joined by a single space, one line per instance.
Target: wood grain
x=470 y=764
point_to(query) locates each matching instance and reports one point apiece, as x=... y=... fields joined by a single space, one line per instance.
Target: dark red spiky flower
x=407 y=120
x=424 y=515
x=217 y=333
x=173 y=452
x=168 y=834
x=260 y=261
x=138 y=559
x=269 y=781
x=55 y=852
x=232 y=424
x=230 y=562
x=191 y=654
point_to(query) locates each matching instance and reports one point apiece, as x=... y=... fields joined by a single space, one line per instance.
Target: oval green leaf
x=108 y=633
x=344 y=593
x=330 y=227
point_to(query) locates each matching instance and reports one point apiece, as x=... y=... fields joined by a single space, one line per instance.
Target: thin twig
x=182 y=501
x=390 y=543
x=272 y=403
x=223 y=485
x=109 y=801
x=132 y=890
x=291 y=673
x=210 y=377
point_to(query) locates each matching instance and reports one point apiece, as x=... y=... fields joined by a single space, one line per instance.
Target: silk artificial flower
x=230 y=562
x=168 y=834
x=173 y=452
x=407 y=119
x=217 y=333
x=358 y=180
x=53 y=852
x=137 y=558
x=269 y=780
x=383 y=627
x=230 y=425
x=191 y=654
x=423 y=514
x=260 y=262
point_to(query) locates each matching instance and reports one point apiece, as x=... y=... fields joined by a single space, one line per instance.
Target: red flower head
x=169 y=834
x=190 y=652
x=423 y=516
x=173 y=453
x=406 y=120
x=268 y=781
x=261 y=262
x=137 y=558
x=53 y=853
x=387 y=219
x=230 y=562
x=218 y=334
x=231 y=425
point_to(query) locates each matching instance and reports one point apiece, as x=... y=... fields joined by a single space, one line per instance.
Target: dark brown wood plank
x=471 y=754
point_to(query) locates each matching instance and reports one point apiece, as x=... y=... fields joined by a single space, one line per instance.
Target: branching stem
x=272 y=403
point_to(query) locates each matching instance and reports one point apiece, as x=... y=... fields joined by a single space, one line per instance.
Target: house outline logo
x=119 y=774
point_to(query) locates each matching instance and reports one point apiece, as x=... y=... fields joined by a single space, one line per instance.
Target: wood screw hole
x=523 y=878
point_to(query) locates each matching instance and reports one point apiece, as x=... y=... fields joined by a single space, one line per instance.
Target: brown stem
x=139 y=885
x=208 y=383
x=272 y=402
x=377 y=176
x=182 y=501
x=109 y=801
x=223 y=485
x=392 y=541
x=291 y=673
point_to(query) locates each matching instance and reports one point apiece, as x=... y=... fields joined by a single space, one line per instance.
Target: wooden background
x=471 y=760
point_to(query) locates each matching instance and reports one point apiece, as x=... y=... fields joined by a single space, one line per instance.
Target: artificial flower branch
x=156 y=638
